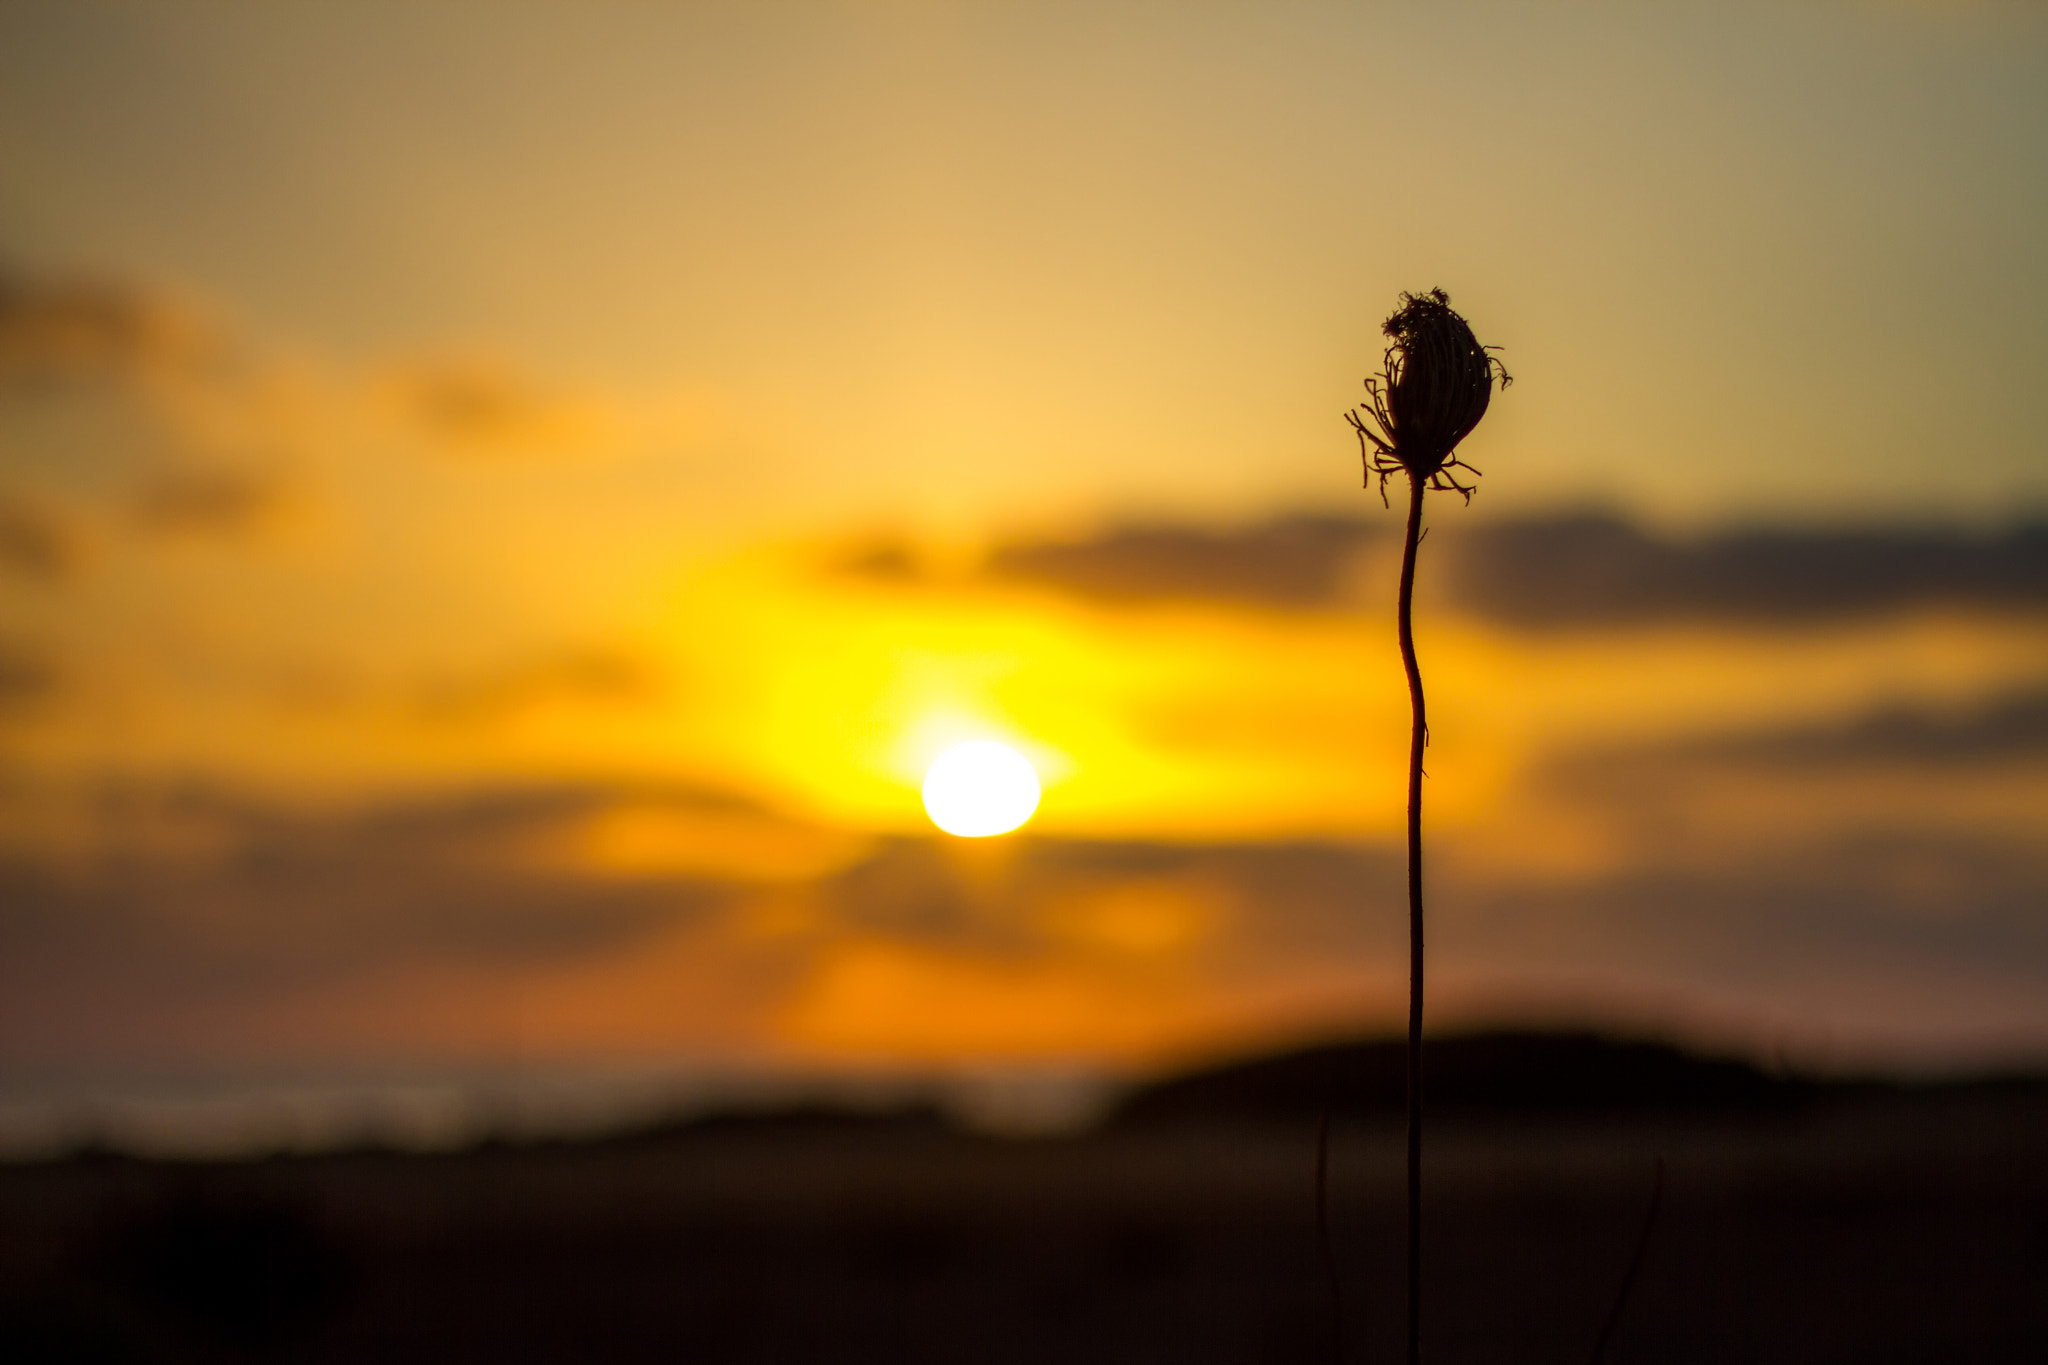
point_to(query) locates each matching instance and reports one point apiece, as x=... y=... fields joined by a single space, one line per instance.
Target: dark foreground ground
x=1798 y=1224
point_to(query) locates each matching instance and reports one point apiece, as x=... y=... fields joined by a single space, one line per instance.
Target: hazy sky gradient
x=955 y=261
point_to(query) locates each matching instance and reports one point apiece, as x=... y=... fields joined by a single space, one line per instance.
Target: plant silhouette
x=1434 y=385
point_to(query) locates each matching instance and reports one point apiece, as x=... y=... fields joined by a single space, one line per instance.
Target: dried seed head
x=1433 y=389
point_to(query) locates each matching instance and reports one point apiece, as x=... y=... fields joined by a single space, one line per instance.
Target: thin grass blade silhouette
x=1635 y=1264
x=1323 y=1242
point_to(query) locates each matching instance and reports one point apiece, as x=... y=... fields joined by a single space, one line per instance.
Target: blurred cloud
x=1602 y=571
x=1297 y=561
x=164 y=924
x=1975 y=773
x=2004 y=729
x=56 y=332
x=119 y=395
x=34 y=544
x=190 y=880
x=166 y=906
x=1226 y=902
x=1556 y=572
x=595 y=906
x=26 y=678
x=201 y=503
x=129 y=414
x=1900 y=846
x=479 y=406
x=1976 y=767
x=587 y=676
x=1917 y=945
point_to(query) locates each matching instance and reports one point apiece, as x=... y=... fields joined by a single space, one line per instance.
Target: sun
x=980 y=788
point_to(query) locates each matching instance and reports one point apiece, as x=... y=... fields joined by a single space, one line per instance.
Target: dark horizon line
x=1482 y=1075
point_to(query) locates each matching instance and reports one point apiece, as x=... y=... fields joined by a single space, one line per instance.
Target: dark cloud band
x=1601 y=571
x=1560 y=572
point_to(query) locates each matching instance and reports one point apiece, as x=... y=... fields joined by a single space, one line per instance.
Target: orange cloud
x=910 y=1002
x=76 y=331
x=478 y=406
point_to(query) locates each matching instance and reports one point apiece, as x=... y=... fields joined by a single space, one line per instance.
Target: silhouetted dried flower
x=1432 y=390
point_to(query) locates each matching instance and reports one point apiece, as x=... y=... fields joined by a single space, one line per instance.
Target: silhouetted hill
x=1481 y=1072
x=1904 y=1225
x=817 y=1121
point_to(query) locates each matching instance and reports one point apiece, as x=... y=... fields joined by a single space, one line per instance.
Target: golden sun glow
x=980 y=788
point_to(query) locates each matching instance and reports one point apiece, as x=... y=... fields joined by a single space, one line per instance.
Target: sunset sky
x=500 y=504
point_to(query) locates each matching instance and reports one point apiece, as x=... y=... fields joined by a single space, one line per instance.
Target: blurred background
x=500 y=505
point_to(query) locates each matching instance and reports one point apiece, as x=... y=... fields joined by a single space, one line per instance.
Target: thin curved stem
x=1419 y=737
